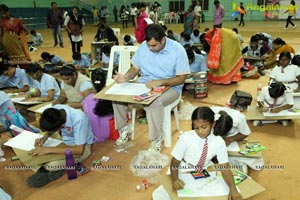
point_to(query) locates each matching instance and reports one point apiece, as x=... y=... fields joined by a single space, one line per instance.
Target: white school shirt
x=37 y=39
x=239 y=121
x=195 y=39
x=132 y=40
x=46 y=83
x=77 y=129
x=189 y=146
x=289 y=74
x=265 y=97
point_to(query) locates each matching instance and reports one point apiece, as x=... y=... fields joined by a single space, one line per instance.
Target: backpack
x=240 y=100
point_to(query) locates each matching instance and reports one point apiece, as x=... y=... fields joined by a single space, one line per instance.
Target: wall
x=26 y=8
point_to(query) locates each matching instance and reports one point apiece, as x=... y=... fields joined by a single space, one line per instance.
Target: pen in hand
x=40 y=141
x=119 y=78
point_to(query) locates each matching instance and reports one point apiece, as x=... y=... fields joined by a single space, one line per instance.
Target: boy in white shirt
x=37 y=38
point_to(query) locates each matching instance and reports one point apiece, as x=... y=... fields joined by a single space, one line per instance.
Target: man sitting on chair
x=162 y=62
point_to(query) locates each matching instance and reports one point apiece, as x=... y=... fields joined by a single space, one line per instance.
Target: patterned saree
x=224 y=58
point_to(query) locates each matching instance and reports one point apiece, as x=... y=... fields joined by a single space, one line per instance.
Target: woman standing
x=224 y=66
x=292 y=12
x=124 y=16
x=13 y=37
x=74 y=23
x=140 y=24
x=190 y=21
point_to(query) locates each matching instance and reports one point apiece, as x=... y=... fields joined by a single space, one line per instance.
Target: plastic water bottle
x=228 y=104
x=144 y=185
x=258 y=90
x=70 y=165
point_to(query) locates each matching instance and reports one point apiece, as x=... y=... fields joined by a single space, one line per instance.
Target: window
x=264 y=2
x=176 y=5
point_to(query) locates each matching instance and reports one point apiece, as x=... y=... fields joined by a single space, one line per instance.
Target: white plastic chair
x=166 y=18
x=161 y=23
x=125 y=53
x=176 y=18
x=167 y=126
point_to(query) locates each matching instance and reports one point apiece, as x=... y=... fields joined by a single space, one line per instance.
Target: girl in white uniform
x=188 y=151
x=286 y=73
x=275 y=98
x=232 y=126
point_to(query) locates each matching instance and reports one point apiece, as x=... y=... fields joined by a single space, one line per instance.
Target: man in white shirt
x=197 y=11
x=133 y=12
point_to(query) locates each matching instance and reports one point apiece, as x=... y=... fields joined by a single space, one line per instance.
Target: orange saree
x=224 y=58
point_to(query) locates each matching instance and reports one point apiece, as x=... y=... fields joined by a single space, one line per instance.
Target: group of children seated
x=77 y=90
x=212 y=128
x=74 y=91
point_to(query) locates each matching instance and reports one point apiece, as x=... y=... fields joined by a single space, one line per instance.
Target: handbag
x=113 y=133
x=240 y=100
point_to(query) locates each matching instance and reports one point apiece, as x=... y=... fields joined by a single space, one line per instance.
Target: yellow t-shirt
x=95 y=13
x=292 y=10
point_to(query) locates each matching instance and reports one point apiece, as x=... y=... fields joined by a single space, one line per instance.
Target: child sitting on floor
x=106 y=56
x=37 y=38
x=56 y=62
x=275 y=98
x=232 y=126
x=195 y=149
x=99 y=111
x=80 y=60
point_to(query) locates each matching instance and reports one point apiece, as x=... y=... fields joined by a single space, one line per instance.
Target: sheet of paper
x=25 y=141
x=148 y=20
x=234 y=146
x=281 y=113
x=19 y=100
x=41 y=109
x=128 y=89
x=203 y=187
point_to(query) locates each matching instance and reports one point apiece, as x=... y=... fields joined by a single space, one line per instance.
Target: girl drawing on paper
x=195 y=149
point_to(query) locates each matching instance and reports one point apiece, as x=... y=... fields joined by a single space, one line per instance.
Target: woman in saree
x=13 y=37
x=190 y=21
x=224 y=57
x=279 y=46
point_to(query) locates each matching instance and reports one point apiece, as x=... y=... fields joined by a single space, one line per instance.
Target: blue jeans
x=57 y=31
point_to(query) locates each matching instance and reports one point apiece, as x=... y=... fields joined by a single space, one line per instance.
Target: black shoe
x=43 y=177
x=61 y=45
x=55 y=45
